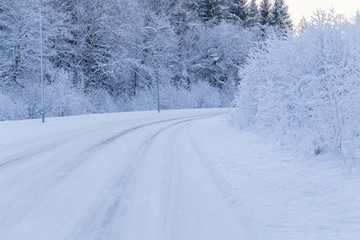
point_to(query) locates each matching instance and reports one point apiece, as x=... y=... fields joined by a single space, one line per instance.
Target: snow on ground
x=277 y=193
x=185 y=174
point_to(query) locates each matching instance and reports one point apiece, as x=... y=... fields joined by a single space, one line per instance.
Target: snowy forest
x=111 y=55
x=300 y=84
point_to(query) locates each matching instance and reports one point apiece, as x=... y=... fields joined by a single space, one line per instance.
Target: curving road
x=132 y=179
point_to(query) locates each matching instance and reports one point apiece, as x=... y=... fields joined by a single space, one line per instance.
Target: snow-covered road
x=127 y=176
x=185 y=174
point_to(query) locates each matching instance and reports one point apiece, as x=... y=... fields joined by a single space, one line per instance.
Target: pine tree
x=237 y=11
x=209 y=10
x=253 y=18
x=265 y=10
x=280 y=17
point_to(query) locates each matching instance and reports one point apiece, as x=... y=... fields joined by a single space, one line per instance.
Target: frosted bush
x=100 y=101
x=204 y=96
x=201 y=95
x=305 y=90
x=63 y=98
x=9 y=108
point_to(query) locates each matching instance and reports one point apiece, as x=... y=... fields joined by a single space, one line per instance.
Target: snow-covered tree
x=304 y=89
x=208 y=10
x=253 y=15
x=265 y=10
x=20 y=41
x=110 y=54
x=218 y=57
x=19 y=68
x=280 y=17
x=236 y=11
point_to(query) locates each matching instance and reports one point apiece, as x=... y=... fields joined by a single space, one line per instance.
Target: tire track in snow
x=100 y=145
x=15 y=158
x=117 y=207
x=72 y=136
x=84 y=156
x=68 y=167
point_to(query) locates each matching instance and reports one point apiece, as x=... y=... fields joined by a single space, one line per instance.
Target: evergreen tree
x=237 y=11
x=265 y=10
x=280 y=17
x=209 y=10
x=253 y=18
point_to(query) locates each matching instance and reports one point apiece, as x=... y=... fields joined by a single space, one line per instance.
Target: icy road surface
x=115 y=176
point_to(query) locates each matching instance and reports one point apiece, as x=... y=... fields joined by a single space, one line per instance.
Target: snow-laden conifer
x=209 y=10
x=253 y=14
x=237 y=11
x=265 y=10
x=280 y=17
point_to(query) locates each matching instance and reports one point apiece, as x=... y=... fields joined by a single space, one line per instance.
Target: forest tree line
x=109 y=55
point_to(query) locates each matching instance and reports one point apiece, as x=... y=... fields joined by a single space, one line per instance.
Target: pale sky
x=306 y=8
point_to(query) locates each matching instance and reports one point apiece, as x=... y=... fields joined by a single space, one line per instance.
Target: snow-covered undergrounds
x=276 y=192
x=184 y=174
